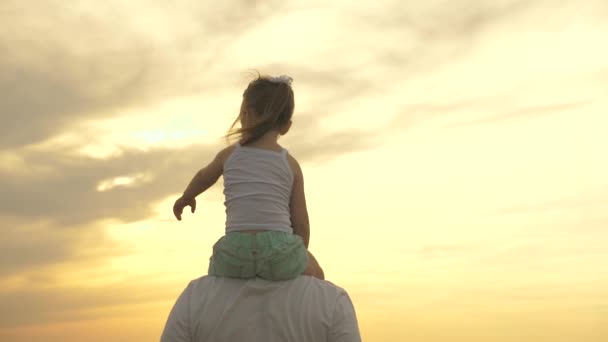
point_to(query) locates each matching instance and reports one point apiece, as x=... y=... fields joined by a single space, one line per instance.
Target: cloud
x=31 y=246
x=48 y=85
x=61 y=187
x=308 y=142
x=74 y=63
x=37 y=304
x=424 y=38
x=529 y=112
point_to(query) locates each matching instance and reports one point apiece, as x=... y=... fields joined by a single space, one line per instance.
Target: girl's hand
x=180 y=204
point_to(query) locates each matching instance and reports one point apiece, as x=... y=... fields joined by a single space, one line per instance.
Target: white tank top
x=257 y=187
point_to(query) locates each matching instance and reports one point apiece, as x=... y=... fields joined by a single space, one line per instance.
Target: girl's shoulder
x=294 y=165
x=225 y=153
x=229 y=149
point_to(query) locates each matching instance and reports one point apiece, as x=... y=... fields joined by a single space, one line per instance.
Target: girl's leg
x=313 y=268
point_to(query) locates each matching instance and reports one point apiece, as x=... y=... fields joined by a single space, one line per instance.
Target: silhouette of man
x=304 y=309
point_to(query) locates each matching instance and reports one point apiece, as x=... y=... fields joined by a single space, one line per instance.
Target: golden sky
x=454 y=155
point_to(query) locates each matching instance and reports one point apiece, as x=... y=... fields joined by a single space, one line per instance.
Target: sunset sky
x=454 y=155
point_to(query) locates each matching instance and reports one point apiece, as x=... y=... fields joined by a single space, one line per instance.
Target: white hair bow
x=281 y=79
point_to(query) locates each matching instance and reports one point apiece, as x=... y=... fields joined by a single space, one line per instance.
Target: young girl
x=267 y=228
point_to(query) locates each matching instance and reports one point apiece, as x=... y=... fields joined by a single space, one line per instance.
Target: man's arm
x=344 y=326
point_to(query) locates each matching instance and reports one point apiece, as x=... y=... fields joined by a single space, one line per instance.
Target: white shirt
x=304 y=309
x=257 y=187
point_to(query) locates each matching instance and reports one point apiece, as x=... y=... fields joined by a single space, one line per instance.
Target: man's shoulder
x=323 y=306
x=207 y=283
x=322 y=284
x=207 y=279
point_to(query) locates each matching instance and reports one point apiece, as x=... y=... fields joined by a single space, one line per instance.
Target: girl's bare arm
x=298 y=210
x=207 y=176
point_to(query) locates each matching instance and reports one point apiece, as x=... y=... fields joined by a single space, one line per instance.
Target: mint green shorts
x=270 y=255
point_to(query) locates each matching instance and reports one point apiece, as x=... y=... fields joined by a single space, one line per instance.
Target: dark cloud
x=35 y=105
x=51 y=303
x=50 y=223
x=47 y=84
x=66 y=192
x=32 y=246
x=71 y=64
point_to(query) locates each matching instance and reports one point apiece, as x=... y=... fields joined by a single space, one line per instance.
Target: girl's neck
x=267 y=141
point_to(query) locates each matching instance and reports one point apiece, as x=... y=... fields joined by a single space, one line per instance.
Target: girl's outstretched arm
x=206 y=176
x=298 y=210
x=202 y=181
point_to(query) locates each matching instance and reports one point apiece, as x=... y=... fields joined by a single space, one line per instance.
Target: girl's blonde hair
x=271 y=101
